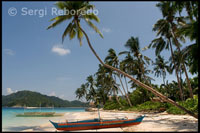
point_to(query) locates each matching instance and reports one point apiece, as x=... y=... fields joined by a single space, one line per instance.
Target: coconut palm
x=92 y=93
x=113 y=60
x=81 y=92
x=191 y=8
x=191 y=55
x=164 y=41
x=105 y=81
x=74 y=27
x=133 y=46
x=124 y=68
x=179 y=59
x=169 y=10
x=161 y=67
x=189 y=29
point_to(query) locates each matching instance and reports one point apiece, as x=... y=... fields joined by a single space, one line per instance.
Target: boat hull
x=97 y=124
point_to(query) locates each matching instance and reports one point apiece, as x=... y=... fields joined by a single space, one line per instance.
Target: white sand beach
x=159 y=122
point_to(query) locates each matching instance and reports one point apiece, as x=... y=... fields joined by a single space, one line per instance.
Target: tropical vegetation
x=109 y=85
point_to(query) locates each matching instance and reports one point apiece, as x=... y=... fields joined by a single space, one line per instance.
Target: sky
x=35 y=59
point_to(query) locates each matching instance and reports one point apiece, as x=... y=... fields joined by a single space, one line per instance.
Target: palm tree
x=105 y=81
x=92 y=92
x=75 y=27
x=134 y=48
x=113 y=60
x=81 y=92
x=179 y=59
x=168 y=11
x=162 y=28
x=189 y=29
x=190 y=6
x=123 y=67
x=191 y=55
x=161 y=67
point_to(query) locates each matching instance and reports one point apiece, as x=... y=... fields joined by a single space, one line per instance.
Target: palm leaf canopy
x=75 y=11
x=133 y=45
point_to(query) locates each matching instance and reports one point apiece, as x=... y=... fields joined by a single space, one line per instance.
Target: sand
x=158 y=122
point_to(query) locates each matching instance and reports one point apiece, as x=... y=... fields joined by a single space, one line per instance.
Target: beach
x=158 y=122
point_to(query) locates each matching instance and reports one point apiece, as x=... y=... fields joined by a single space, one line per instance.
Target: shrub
x=110 y=105
x=139 y=96
x=150 y=106
x=190 y=104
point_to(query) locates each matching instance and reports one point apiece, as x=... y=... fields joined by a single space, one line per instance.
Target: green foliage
x=110 y=105
x=190 y=104
x=139 y=96
x=113 y=104
x=34 y=99
x=149 y=106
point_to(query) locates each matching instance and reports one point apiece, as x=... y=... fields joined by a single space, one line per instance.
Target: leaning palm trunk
x=176 y=70
x=138 y=82
x=129 y=102
x=184 y=68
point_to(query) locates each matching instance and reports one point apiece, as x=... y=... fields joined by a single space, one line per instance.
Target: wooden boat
x=97 y=124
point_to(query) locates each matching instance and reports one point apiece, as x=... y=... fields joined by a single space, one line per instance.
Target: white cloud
x=52 y=94
x=103 y=30
x=9 y=52
x=61 y=96
x=10 y=91
x=107 y=30
x=60 y=50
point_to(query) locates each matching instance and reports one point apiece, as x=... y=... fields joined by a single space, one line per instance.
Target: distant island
x=35 y=99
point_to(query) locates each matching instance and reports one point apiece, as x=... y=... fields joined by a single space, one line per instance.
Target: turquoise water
x=12 y=123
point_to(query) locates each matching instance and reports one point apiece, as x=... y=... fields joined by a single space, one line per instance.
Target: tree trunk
x=129 y=102
x=182 y=85
x=184 y=68
x=163 y=79
x=138 y=82
x=114 y=91
x=126 y=84
x=116 y=97
x=176 y=70
x=118 y=87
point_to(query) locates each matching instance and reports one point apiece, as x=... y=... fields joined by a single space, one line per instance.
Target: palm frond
x=91 y=16
x=58 y=20
x=93 y=26
x=67 y=31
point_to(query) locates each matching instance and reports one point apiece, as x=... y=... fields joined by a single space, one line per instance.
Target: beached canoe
x=97 y=124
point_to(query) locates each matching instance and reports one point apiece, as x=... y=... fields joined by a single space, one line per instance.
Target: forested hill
x=35 y=99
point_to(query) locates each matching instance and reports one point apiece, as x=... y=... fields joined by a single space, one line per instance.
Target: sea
x=12 y=123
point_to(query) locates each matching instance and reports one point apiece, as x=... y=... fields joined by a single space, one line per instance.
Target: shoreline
x=151 y=122
x=41 y=107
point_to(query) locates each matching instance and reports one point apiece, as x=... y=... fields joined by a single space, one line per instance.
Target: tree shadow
x=176 y=124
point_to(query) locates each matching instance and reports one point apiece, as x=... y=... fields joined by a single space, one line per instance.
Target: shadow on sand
x=177 y=125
